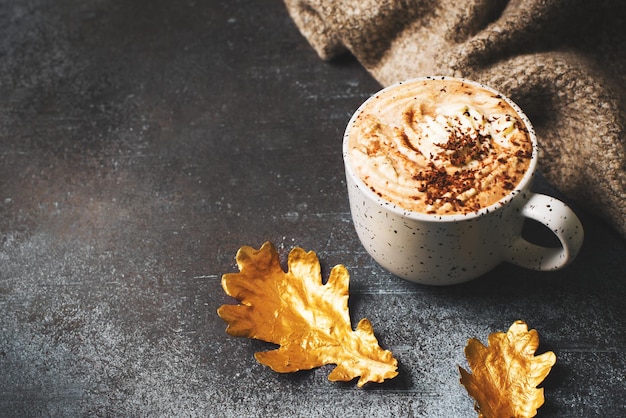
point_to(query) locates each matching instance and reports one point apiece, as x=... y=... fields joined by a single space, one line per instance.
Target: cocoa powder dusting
x=466 y=147
x=441 y=186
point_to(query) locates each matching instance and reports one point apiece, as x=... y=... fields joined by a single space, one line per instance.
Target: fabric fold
x=562 y=61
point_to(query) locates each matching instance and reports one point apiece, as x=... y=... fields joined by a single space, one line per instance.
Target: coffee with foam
x=439 y=146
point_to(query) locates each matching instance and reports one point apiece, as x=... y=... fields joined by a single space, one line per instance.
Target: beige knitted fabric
x=563 y=62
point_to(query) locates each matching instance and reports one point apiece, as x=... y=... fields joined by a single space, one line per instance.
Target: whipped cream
x=439 y=146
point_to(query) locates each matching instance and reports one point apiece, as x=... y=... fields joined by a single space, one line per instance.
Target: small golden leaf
x=309 y=320
x=506 y=373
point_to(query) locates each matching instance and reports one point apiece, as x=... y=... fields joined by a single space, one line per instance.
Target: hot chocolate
x=439 y=146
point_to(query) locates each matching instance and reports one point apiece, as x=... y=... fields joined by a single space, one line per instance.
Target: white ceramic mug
x=450 y=249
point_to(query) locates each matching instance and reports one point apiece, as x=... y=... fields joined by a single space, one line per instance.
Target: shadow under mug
x=450 y=249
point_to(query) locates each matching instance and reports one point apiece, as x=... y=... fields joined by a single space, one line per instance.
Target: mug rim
x=396 y=208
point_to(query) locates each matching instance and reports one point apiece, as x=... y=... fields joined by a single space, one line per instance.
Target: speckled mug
x=451 y=249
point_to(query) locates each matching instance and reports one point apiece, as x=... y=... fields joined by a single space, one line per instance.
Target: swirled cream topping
x=439 y=146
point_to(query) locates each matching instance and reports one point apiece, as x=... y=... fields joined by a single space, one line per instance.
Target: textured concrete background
x=143 y=142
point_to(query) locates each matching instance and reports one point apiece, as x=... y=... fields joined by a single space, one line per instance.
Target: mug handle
x=563 y=223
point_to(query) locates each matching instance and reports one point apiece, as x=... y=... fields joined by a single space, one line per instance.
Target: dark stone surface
x=142 y=143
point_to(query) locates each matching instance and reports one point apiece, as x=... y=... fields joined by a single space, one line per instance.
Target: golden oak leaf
x=506 y=373
x=309 y=320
